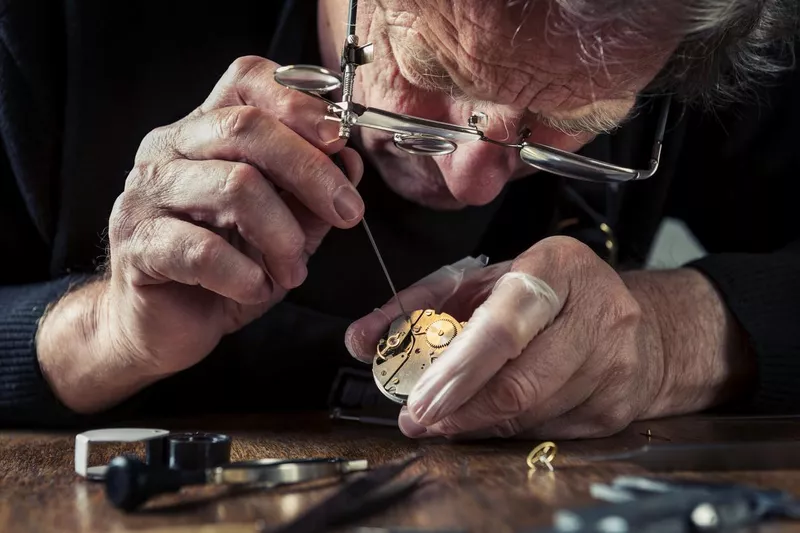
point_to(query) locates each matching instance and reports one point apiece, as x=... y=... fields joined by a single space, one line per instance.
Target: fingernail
x=348 y=203
x=410 y=428
x=299 y=274
x=350 y=344
x=328 y=131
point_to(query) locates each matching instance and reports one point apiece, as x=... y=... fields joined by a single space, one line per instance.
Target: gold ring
x=543 y=453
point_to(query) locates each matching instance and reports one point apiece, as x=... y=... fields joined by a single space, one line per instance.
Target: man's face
x=444 y=59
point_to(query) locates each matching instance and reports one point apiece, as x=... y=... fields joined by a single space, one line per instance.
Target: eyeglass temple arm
x=655 y=157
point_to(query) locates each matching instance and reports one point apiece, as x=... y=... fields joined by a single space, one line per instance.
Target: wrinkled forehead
x=509 y=50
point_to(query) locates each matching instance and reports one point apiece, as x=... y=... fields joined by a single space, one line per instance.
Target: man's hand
x=558 y=345
x=216 y=223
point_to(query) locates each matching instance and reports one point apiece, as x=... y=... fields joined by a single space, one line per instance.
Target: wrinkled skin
x=596 y=356
x=511 y=71
x=224 y=208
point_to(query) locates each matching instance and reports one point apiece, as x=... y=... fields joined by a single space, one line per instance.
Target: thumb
x=431 y=292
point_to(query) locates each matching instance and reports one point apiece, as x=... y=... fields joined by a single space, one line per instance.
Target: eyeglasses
x=423 y=137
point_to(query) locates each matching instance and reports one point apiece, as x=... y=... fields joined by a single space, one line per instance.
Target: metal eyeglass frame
x=425 y=137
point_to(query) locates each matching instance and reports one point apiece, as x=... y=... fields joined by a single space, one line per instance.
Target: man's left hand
x=559 y=345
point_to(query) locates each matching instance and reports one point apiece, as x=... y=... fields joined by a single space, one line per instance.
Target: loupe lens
x=419 y=144
x=308 y=78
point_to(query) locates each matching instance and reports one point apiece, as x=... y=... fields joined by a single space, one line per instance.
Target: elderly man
x=168 y=235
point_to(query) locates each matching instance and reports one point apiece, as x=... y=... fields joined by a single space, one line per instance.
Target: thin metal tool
x=130 y=482
x=336 y=158
x=359 y=498
x=383 y=266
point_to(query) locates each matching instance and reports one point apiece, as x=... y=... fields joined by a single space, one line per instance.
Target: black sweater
x=81 y=82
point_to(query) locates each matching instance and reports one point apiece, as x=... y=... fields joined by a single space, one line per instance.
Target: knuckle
x=234 y=122
x=508 y=428
x=290 y=103
x=565 y=254
x=623 y=369
x=506 y=336
x=450 y=426
x=291 y=248
x=122 y=221
x=621 y=310
x=143 y=175
x=314 y=169
x=613 y=419
x=156 y=141
x=251 y=284
x=242 y=181
x=199 y=254
x=511 y=394
x=244 y=66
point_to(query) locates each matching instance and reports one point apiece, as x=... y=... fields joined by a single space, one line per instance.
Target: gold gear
x=441 y=333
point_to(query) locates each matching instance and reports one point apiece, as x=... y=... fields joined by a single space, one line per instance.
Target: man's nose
x=477 y=172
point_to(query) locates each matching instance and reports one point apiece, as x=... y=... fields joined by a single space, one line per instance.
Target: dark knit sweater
x=82 y=82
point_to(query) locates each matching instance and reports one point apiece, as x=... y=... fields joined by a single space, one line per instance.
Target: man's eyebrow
x=602 y=118
x=422 y=69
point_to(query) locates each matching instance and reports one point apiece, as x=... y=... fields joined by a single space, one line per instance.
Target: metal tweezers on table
x=649 y=505
x=369 y=493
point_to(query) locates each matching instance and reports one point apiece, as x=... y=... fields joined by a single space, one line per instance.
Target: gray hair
x=726 y=47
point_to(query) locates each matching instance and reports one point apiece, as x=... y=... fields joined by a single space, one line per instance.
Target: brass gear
x=441 y=333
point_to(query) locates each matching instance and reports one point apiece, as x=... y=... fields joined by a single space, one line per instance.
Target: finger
x=549 y=379
x=431 y=292
x=598 y=417
x=236 y=196
x=518 y=309
x=177 y=250
x=250 y=81
x=247 y=134
x=314 y=227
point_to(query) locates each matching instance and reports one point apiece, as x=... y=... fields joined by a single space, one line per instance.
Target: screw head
x=478 y=118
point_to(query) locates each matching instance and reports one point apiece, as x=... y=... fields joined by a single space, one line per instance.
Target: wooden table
x=482 y=486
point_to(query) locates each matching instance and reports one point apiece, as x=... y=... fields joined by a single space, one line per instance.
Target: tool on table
x=130 y=483
x=189 y=450
x=543 y=454
x=675 y=506
x=777 y=455
x=197 y=450
x=152 y=438
x=359 y=498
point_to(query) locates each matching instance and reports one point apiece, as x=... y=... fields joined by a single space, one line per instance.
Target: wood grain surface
x=481 y=487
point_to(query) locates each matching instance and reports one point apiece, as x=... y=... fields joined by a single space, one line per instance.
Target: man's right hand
x=216 y=223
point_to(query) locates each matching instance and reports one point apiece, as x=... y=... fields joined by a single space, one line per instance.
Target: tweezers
x=357 y=499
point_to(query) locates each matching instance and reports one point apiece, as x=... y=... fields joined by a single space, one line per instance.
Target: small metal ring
x=198 y=451
x=543 y=453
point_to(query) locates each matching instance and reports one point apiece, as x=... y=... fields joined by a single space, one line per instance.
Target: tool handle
x=674 y=512
x=130 y=482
